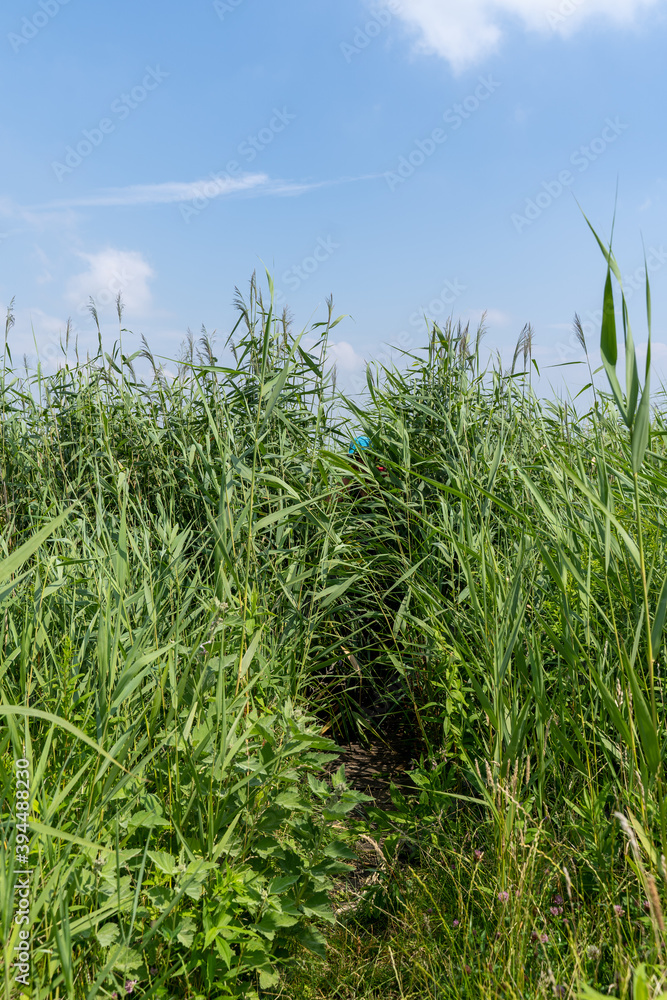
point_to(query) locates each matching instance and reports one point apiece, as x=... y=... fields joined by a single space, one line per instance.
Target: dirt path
x=372 y=769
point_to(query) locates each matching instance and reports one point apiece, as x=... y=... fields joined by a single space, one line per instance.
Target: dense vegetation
x=197 y=612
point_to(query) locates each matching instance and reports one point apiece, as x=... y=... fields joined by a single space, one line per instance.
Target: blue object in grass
x=362 y=441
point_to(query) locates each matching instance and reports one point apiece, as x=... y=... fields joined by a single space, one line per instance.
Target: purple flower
x=544 y=939
x=130 y=984
x=153 y=970
x=479 y=855
x=558 y=899
x=618 y=910
x=555 y=911
x=503 y=896
x=455 y=924
x=647 y=905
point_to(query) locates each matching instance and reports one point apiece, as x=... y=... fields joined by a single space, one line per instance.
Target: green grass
x=196 y=610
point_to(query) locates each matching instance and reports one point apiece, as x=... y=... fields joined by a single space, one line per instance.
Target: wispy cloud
x=172 y=192
x=465 y=33
x=162 y=194
x=491 y=317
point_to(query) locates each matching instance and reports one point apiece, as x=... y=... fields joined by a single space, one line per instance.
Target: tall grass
x=196 y=611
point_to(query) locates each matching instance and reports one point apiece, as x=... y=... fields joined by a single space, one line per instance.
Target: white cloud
x=658 y=356
x=171 y=192
x=466 y=32
x=344 y=356
x=492 y=317
x=163 y=194
x=108 y=273
x=339 y=353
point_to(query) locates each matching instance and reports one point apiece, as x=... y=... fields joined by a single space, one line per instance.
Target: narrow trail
x=372 y=769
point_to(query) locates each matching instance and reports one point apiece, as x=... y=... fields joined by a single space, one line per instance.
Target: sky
x=416 y=159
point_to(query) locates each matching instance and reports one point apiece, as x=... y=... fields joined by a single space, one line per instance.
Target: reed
x=196 y=611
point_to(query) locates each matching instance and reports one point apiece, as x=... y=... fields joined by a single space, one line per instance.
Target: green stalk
x=649 y=647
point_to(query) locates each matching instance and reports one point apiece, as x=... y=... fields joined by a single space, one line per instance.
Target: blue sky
x=408 y=157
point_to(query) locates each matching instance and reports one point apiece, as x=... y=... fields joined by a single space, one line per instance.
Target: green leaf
x=320 y=788
x=273 y=921
x=249 y=653
x=186 y=933
x=13 y=563
x=331 y=594
x=588 y=993
x=318 y=906
x=166 y=862
x=292 y=801
x=127 y=959
x=280 y=884
x=639 y=986
x=268 y=847
x=349 y=799
x=257 y=955
x=147 y=819
x=338 y=777
x=612 y=708
x=641 y=431
x=314 y=941
x=224 y=951
x=631 y=377
x=6 y=590
x=35 y=713
x=659 y=619
x=160 y=895
x=329 y=867
x=51 y=832
x=647 y=733
x=107 y=934
x=609 y=349
x=268 y=979
x=337 y=849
